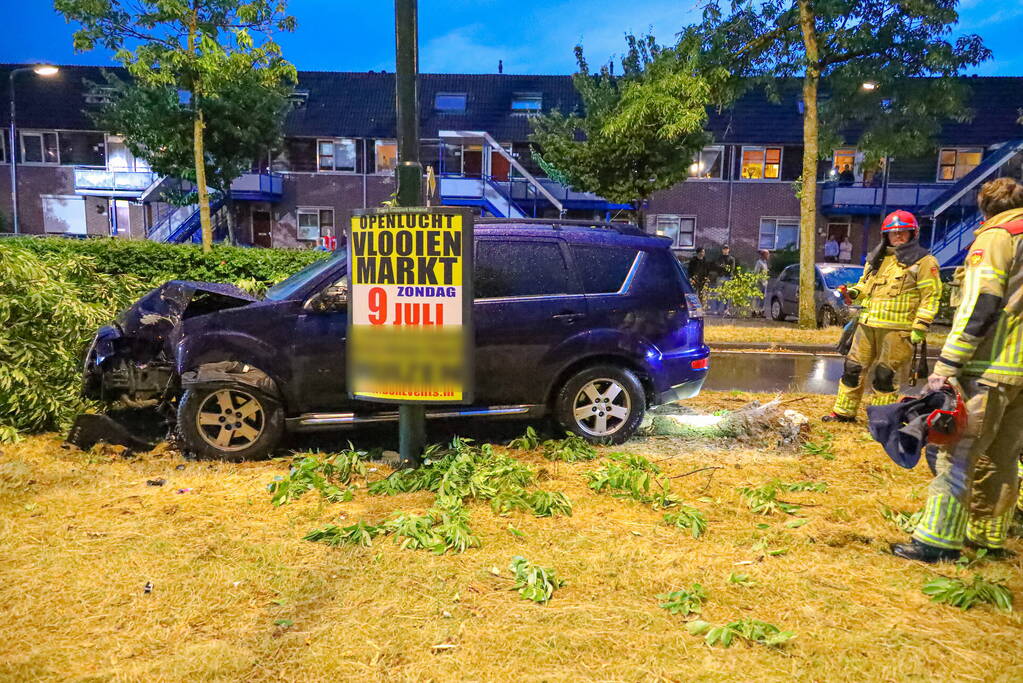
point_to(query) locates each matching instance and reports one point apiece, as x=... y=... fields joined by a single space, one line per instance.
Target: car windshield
x=835 y=276
x=286 y=289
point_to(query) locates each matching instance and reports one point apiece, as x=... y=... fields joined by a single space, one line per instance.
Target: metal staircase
x=182 y=224
x=955 y=215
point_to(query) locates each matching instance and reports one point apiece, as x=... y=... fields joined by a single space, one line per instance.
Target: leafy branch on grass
x=534 y=583
x=750 y=630
x=684 y=601
x=359 y=533
x=740 y=580
x=905 y=521
x=764 y=500
x=573 y=448
x=308 y=472
x=688 y=518
x=540 y=503
x=958 y=593
x=822 y=448
x=529 y=441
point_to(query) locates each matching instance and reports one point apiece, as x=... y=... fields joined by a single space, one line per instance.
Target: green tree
x=903 y=48
x=193 y=45
x=244 y=120
x=627 y=142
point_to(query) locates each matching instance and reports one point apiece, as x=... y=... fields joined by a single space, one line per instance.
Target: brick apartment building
x=339 y=154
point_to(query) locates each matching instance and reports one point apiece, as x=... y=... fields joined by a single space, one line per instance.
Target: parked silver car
x=782 y=295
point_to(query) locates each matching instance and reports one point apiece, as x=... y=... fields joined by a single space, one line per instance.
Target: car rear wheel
x=229 y=422
x=776 y=311
x=602 y=404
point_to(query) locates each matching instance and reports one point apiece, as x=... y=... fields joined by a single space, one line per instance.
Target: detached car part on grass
x=589 y=326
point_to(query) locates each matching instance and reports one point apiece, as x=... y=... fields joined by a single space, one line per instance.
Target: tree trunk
x=200 y=178
x=808 y=197
x=229 y=207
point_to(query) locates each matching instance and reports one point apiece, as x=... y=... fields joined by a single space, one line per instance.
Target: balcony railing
x=258 y=187
x=857 y=198
x=112 y=183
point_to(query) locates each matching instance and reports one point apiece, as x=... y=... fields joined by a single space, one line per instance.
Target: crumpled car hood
x=155 y=319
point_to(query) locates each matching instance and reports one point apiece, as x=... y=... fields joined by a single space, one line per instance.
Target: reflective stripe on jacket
x=897 y=297
x=987 y=335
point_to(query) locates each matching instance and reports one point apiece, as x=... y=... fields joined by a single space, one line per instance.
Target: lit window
x=843 y=165
x=451 y=102
x=527 y=102
x=779 y=233
x=707 y=164
x=953 y=163
x=680 y=229
x=39 y=148
x=336 y=155
x=315 y=223
x=386 y=155
x=761 y=163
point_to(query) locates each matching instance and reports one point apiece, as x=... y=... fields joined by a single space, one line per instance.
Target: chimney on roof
x=500 y=66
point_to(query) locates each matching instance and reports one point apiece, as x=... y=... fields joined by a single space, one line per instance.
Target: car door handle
x=567 y=317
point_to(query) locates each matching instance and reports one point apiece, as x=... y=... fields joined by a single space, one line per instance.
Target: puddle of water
x=774 y=372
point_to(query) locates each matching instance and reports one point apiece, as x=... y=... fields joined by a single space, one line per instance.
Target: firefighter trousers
x=889 y=351
x=973 y=494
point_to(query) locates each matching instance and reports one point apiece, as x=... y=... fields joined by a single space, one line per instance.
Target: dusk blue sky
x=470 y=36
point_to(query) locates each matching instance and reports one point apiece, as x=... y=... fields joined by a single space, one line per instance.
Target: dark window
x=601 y=269
x=299 y=155
x=451 y=102
x=660 y=272
x=82 y=149
x=791 y=274
x=519 y=269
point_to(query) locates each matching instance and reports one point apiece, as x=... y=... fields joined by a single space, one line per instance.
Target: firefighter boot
x=921 y=552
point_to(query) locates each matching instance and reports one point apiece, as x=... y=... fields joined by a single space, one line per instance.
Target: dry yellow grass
x=782 y=334
x=81 y=534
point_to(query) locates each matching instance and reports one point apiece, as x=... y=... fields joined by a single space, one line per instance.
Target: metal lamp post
x=45 y=70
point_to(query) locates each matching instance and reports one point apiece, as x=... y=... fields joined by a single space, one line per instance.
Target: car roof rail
x=559 y=223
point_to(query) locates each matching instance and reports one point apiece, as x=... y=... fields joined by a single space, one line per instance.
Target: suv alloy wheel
x=602 y=404
x=776 y=310
x=229 y=422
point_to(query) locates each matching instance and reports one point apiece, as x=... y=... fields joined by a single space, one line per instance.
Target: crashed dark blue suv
x=590 y=324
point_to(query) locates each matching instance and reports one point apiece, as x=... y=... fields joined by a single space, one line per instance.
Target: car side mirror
x=331 y=300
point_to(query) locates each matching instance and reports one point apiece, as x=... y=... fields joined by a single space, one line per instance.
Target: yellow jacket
x=987 y=335
x=896 y=296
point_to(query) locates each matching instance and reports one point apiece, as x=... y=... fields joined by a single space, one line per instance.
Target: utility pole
x=409 y=178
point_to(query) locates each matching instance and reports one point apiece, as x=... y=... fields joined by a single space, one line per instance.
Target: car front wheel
x=776 y=310
x=229 y=422
x=602 y=404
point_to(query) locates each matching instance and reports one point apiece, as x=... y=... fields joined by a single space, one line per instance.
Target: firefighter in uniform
x=899 y=295
x=972 y=497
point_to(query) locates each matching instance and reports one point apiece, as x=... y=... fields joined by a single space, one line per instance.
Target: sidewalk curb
x=774 y=347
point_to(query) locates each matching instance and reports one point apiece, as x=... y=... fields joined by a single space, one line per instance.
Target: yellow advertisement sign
x=410 y=304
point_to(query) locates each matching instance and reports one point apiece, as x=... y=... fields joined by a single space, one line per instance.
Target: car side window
x=514 y=268
x=791 y=274
x=602 y=270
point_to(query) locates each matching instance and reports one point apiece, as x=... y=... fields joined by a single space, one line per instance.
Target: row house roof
x=362 y=104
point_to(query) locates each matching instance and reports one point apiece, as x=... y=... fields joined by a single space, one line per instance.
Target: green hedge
x=154 y=263
x=55 y=293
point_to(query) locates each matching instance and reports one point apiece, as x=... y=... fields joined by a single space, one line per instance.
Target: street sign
x=410 y=305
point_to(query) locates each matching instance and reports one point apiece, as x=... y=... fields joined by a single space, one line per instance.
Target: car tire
x=578 y=402
x=826 y=317
x=231 y=422
x=777 y=313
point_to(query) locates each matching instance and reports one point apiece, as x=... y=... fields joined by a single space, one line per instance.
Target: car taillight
x=694 y=306
x=699 y=364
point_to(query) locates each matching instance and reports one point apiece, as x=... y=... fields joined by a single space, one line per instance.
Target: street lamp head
x=869 y=85
x=45 y=70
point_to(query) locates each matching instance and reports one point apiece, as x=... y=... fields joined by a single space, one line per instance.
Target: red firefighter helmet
x=899 y=220
x=945 y=427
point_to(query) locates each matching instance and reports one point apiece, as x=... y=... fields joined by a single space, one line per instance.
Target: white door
x=64 y=214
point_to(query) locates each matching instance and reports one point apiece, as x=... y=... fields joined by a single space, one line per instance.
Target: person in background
x=845 y=250
x=846 y=177
x=725 y=268
x=971 y=499
x=699 y=271
x=831 y=249
x=899 y=294
x=761 y=269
